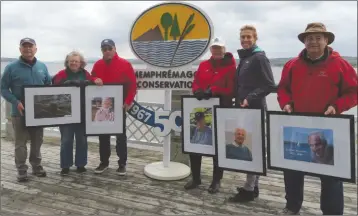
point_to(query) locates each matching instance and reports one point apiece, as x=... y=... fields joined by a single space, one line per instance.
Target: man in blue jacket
x=27 y=70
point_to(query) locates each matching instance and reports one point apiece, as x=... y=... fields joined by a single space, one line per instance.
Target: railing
x=137 y=133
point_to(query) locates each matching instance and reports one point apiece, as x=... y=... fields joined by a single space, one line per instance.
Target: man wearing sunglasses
x=114 y=69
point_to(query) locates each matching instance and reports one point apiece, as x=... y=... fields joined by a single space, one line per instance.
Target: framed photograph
x=317 y=145
x=197 y=134
x=49 y=106
x=240 y=139
x=104 y=113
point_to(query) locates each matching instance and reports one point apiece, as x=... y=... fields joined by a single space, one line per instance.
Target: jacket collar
x=244 y=53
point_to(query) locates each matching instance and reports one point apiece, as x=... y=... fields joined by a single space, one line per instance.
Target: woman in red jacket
x=214 y=77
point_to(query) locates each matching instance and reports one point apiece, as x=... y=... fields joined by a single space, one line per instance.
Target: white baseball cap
x=217 y=42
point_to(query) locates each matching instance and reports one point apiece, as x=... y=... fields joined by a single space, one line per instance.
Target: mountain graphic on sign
x=166 y=45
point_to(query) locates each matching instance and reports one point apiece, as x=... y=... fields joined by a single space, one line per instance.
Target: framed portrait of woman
x=104 y=113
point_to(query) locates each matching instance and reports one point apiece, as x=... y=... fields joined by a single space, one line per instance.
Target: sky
x=60 y=27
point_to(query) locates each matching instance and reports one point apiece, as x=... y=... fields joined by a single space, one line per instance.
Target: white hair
x=76 y=53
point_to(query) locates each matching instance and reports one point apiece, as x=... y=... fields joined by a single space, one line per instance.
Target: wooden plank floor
x=135 y=194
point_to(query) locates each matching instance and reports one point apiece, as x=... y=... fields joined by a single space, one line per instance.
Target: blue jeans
x=67 y=134
x=332 y=200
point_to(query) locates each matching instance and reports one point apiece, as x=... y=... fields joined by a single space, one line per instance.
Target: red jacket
x=219 y=75
x=118 y=71
x=314 y=87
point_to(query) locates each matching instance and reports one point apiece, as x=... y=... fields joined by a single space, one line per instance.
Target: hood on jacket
x=328 y=53
x=227 y=60
x=244 y=53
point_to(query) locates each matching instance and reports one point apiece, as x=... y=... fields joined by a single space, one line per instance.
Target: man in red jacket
x=214 y=77
x=114 y=69
x=319 y=80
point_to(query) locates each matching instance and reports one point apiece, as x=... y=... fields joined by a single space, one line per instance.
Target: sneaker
x=81 y=169
x=242 y=196
x=65 y=171
x=22 y=176
x=256 y=191
x=192 y=184
x=121 y=170
x=39 y=171
x=101 y=168
x=214 y=187
x=286 y=211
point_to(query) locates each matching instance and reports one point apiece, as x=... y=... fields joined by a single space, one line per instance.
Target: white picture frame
x=309 y=143
x=204 y=111
x=51 y=106
x=240 y=139
x=104 y=113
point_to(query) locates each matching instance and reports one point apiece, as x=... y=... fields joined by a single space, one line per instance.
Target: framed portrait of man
x=104 y=113
x=318 y=145
x=198 y=125
x=240 y=139
x=50 y=106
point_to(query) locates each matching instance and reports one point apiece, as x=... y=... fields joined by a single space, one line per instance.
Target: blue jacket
x=240 y=152
x=16 y=75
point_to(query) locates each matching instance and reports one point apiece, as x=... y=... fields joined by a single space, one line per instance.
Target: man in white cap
x=214 y=77
x=319 y=80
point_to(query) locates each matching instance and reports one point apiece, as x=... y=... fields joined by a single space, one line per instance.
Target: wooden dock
x=136 y=194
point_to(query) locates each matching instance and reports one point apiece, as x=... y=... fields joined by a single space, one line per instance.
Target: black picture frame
x=352 y=156
x=24 y=87
x=85 y=112
x=264 y=172
x=183 y=97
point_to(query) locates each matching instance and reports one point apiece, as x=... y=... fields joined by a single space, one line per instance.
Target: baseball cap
x=27 y=40
x=108 y=42
x=218 y=42
x=199 y=116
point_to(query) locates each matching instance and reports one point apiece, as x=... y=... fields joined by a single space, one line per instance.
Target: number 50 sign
x=163 y=122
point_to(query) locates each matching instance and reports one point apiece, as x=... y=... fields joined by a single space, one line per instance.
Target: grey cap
x=108 y=42
x=27 y=40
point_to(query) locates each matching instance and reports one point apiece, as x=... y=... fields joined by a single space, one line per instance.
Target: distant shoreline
x=277 y=62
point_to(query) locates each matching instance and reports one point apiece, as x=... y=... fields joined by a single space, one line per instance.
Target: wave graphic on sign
x=161 y=52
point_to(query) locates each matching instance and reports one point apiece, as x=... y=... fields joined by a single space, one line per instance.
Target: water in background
x=157 y=96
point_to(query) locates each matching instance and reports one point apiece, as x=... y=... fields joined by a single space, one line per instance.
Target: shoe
x=286 y=211
x=81 y=169
x=39 y=171
x=256 y=191
x=101 y=168
x=242 y=196
x=214 y=187
x=22 y=176
x=192 y=184
x=65 y=171
x=121 y=170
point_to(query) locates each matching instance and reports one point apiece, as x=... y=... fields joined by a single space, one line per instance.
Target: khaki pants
x=22 y=134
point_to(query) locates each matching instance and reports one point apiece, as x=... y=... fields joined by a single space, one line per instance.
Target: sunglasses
x=104 y=49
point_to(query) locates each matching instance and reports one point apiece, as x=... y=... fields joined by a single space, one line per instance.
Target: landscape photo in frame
x=318 y=145
x=198 y=125
x=52 y=105
x=104 y=112
x=240 y=139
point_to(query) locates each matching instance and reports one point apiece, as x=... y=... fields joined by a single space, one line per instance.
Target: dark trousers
x=332 y=201
x=105 y=149
x=195 y=166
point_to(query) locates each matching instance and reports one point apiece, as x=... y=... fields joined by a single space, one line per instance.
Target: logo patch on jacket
x=322 y=74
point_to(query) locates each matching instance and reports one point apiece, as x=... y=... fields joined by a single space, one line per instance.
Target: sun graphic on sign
x=170 y=35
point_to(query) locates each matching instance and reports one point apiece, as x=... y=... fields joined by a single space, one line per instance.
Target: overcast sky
x=60 y=27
